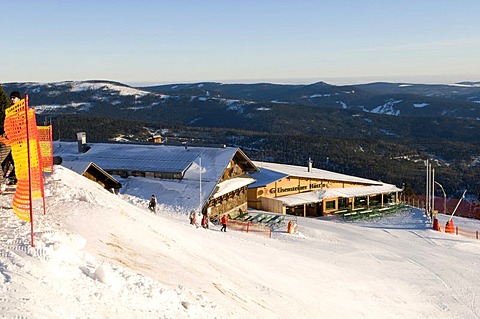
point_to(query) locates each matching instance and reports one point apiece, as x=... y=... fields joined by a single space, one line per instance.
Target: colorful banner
x=46 y=147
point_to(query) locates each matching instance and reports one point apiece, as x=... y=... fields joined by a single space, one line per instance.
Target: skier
x=224 y=223
x=153 y=203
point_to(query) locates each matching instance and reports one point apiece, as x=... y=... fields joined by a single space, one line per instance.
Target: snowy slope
x=98 y=256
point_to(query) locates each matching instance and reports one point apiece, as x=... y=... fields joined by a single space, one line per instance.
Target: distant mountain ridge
x=375 y=110
x=379 y=130
x=461 y=100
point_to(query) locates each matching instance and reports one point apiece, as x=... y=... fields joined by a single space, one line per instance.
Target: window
x=330 y=204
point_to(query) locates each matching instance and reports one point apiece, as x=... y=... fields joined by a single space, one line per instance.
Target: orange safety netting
x=250 y=227
x=23 y=140
x=36 y=165
x=46 y=148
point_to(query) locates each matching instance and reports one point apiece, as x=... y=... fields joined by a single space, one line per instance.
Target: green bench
x=241 y=216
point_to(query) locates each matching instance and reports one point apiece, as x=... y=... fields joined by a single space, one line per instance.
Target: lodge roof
x=162 y=158
x=271 y=172
x=80 y=167
x=348 y=192
x=155 y=158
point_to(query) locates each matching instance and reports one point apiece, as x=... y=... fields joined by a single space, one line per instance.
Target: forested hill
x=381 y=131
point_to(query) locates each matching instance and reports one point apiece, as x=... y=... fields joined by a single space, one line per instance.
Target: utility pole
x=427 y=188
x=433 y=193
x=200 y=180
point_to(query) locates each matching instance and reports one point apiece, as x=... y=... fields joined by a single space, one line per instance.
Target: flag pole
x=41 y=179
x=29 y=173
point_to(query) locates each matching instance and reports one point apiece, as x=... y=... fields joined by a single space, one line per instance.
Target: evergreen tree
x=4 y=103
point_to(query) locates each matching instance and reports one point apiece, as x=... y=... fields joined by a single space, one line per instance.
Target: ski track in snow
x=390 y=267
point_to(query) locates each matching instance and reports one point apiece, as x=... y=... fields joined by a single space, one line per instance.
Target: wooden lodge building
x=307 y=191
x=221 y=179
x=93 y=172
x=188 y=177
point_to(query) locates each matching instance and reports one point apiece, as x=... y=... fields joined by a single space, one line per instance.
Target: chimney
x=310 y=163
x=82 y=142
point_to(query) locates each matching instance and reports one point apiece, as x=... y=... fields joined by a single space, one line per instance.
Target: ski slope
x=99 y=255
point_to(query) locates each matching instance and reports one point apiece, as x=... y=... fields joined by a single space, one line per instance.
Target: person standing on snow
x=205 y=221
x=193 y=218
x=224 y=223
x=6 y=157
x=153 y=203
x=190 y=216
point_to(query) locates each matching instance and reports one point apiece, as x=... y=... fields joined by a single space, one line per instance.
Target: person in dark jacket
x=6 y=158
x=153 y=203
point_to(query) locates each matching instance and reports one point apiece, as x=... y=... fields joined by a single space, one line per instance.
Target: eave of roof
x=348 y=192
x=300 y=171
x=230 y=185
x=155 y=158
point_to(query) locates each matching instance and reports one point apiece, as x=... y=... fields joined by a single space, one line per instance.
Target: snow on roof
x=184 y=193
x=149 y=157
x=267 y=170
x=318 y=195
x=77 y=167
x=230 y=185
x=81 y=167
x=266 y=176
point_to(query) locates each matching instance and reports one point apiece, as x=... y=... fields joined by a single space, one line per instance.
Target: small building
x=93 y=172
x=155 y=139
x=308 y=191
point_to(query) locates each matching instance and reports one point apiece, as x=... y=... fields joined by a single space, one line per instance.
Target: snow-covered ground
x=98 y=255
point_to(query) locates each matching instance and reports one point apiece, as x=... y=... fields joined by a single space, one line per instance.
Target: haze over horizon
x=161 y=42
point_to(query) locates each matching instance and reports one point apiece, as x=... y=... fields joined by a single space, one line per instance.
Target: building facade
x=307 y=191
x=218 y=180
x=212 y=180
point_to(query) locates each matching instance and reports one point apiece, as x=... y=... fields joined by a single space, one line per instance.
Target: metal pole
x=433 y=193
x=458 y=204
x=444 y=197
x=427 y=194
x=200 y=180
x=426 y=186
x=29 y=172
x=429 y=189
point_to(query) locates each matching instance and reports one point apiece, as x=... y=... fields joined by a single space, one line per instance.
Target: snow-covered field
x=97 y=255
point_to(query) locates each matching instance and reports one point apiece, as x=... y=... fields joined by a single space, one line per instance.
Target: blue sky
x=337 y=41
